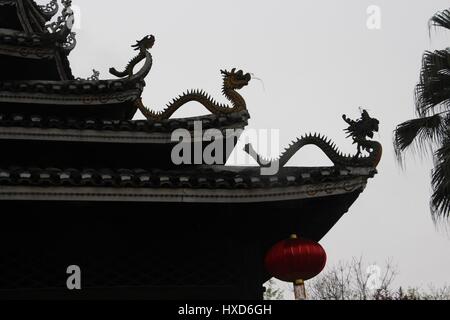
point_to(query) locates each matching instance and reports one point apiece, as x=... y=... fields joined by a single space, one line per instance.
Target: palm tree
x=430 y=131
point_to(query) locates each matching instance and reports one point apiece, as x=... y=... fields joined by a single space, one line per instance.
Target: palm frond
x=433 y=90
x=440 y=200
x=431 y=129
x=441 y=19
x=420 y=132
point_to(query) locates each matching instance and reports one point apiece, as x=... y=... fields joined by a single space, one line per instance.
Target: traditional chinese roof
x=161 y=182
x=36 y=78
x=75 y=140
x=70 y=148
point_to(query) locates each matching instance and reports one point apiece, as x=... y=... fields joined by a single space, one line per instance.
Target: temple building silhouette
x=83 y=183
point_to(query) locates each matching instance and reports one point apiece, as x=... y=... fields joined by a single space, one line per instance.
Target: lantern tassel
x=300 y=290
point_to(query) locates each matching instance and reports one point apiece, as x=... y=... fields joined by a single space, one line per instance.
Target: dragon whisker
x=259 y=79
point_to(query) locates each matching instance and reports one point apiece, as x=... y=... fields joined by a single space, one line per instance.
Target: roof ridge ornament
x=50 y=9
x=70 y=43
x=94 y=77
x=359 y=130
x=142 y=46
x=61 y=29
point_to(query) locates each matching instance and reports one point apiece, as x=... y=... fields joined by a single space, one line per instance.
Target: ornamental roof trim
x=48 y=10
x=132 y=131
x=65 y=92
x=243 y=185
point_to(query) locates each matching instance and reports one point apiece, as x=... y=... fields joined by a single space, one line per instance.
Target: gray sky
x=318 y=60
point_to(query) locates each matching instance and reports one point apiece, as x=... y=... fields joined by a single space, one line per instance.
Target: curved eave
x=58 y=98
x=54 y=91
x=181 y=195
x=246 y=186
x=73 y=94
x=19 y=127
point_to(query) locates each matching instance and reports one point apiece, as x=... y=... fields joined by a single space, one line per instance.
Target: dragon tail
x=118 y=74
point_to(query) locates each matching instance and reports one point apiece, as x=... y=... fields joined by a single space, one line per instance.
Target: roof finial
x=142 y=46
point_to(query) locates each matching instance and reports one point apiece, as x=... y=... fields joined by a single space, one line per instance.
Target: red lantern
x=296 y=260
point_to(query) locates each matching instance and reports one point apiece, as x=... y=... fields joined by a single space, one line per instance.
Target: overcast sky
x=318 y=60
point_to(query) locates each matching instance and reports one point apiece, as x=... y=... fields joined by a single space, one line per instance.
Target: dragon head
x=371 y=124
x=362 y=128
x=145 y=43
x=235 y=79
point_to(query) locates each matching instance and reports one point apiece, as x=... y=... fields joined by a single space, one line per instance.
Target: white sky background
x=318 y=61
